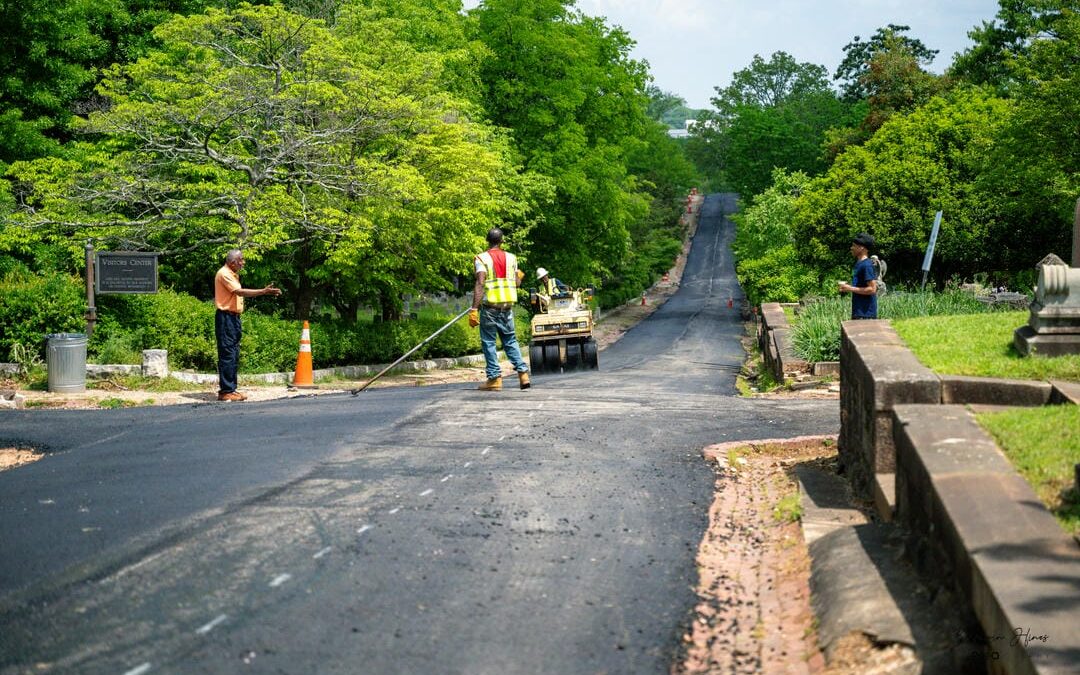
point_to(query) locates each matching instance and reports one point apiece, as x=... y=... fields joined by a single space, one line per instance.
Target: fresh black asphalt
x=441 y=530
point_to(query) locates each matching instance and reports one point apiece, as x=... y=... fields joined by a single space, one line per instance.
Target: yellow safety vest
x=549 y=286
x=499 y=291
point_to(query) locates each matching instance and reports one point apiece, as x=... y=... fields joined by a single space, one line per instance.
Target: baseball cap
x=863 y=239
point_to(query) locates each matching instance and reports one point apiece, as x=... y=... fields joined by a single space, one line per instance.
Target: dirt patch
x=13 y=457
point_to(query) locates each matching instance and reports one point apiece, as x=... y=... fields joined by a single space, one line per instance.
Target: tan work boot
x=493 y=384
x=523 y=380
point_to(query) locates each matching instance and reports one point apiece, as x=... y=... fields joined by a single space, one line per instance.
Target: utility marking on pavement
x=323 y=552
x=426 y=492
x=204 y=629
x=364 y=529
x=280 y=579
x=139 y=669
x=467 y=465
x=395 y=510
x=446 y=477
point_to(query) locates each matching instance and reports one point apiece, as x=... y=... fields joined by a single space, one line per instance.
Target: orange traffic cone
x=303 y=376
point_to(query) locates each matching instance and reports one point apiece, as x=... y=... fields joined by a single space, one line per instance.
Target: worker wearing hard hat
x=549 y=286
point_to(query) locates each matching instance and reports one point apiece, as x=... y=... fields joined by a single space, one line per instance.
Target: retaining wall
x=774 y=341
x=976 y=525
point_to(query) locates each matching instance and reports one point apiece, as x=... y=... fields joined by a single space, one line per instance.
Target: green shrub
x=35 y=305
x=120 y=347
x=268 y=344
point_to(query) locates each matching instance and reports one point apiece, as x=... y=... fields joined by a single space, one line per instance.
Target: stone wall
x=877 y=372
x=774 y=341
x=978 y=527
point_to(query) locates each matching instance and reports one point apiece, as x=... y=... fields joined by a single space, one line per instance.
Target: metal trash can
x=65 y=359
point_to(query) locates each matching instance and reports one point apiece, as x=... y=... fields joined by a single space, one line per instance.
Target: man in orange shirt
x=229 y=299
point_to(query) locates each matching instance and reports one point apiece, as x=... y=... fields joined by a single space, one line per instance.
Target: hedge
x=33 y=305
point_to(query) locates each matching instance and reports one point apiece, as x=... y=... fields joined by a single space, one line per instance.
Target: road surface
x=435 y=530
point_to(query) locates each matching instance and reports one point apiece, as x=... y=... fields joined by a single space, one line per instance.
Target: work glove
x=474 y=318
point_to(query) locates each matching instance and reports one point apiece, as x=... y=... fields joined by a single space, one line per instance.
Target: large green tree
x=574 y=101
x=1000 y=43
x=262 y=129
x=929 y=160
x=1035 y=167
x=859 y=53
x=774 y=114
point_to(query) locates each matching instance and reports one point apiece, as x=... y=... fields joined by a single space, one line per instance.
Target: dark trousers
x=227 y=332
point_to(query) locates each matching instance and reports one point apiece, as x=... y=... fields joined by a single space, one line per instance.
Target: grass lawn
x=980 y=345
x=1044 y=445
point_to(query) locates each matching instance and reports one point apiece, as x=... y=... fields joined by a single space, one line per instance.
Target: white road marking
x=486 y=450
x=467 y=465
x=395 y=510
x=46 y=501
x=501 y=438
x=323 y=552
x=280 y=579
x=139 y=669
x=364 y=529
x=426 y=492
x=532 y=413
x=446 y=477
x=204 y=629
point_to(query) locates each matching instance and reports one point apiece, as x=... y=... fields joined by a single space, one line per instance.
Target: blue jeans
x=499 y=322
x=227 y=332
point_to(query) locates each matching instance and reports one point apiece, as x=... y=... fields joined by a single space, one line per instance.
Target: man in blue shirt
x=863 y=286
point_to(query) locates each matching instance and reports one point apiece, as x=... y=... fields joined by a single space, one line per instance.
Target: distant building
x=684 y=132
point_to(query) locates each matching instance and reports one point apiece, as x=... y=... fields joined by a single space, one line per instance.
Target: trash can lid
x=66 y=336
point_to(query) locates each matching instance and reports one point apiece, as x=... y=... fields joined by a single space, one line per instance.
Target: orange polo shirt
x=226 y=284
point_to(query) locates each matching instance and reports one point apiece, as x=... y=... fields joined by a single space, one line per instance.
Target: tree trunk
x=305 y=290
x=390 y=306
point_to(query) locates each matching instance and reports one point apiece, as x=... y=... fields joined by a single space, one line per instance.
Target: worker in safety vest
x=549 y=286
x=494 y=295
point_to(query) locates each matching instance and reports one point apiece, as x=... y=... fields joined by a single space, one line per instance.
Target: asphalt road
x=434 y=530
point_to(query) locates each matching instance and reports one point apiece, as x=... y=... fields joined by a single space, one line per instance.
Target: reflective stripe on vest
x=499 y=291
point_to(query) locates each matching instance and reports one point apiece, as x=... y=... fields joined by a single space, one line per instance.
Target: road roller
x=562 y=333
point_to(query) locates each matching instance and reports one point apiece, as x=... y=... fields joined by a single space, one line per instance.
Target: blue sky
x=693 y=46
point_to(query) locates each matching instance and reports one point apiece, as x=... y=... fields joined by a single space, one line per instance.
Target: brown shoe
x=493 y=384
x=523 y=380
x=231 y=396
x=243 y=397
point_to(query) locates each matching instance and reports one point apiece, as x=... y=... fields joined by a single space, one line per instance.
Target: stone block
x=1030 y=343
x=877 y=372
x=9 y=398
x=959 y=390
x=155 y=363
x=979 y=525
x=826 y=368
x=1065 y=392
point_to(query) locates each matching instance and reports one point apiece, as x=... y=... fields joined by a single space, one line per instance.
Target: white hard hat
x=541 y=272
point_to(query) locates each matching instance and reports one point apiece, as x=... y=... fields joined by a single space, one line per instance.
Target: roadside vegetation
x=1044 y=446
x=358 y=151
x=816 y=325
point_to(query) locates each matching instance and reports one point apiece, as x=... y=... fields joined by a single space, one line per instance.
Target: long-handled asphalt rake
x=406 y=354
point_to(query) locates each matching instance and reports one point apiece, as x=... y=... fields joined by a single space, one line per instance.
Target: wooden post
x=91 y=311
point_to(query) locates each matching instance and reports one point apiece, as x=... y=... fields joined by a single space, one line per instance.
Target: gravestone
x=1054 y=324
